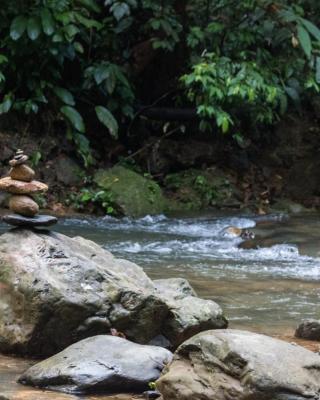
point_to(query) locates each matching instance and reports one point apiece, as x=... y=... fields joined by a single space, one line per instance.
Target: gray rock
x=233 y=364
x=100 y=363
x=56 y=290
x=309 y=329
x=188 y=312
x=37 y=220
x=68 y=171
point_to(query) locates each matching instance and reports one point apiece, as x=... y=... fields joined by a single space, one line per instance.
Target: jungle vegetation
x=233 y=65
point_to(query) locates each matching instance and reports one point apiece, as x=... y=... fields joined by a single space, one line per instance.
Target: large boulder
x=100 y=363
x=132 y=194
x=233 y=364
x=56 y=290
x=189 y=313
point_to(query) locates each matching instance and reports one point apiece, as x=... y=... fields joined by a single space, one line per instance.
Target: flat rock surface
x=37 y=220
x=233 y=364
x=99 y=364
x=12 y=368
x=19 y=187
x=56 y=290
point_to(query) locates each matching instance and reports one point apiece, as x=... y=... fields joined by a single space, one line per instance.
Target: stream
x=267 y=287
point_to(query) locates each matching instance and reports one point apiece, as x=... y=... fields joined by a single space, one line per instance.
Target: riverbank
x=274 y=171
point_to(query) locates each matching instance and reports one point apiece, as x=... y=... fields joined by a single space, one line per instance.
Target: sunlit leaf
x=74 y=117
x=108 y=120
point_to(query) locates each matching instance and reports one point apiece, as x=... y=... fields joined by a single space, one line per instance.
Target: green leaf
x=33 y=28
x=318 y=69
x=305 y=41
x=108 y=120
x=88 y=23
x=18 y=27
x=64 y=95
x=312 y=29
x=47 y=21
x=6 y=104
x=120 y=10
x=90 y=5
x=101 y=73
x=74 y=117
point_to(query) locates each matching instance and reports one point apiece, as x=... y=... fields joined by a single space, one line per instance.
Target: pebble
x=22 y=173
x=23 y=205
x=18 y=160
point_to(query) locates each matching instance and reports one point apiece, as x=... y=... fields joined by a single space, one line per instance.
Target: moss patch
x=134 y=194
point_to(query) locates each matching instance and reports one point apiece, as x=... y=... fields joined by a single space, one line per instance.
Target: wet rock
x=232 y=364
x=23 y=205
x=22 y=173
x=37 y=220
x=151 y=394
x=57 y=290
x=100 y=363
x=188 y=313
x=18 y=187
x=309 y=329
x=132 y=194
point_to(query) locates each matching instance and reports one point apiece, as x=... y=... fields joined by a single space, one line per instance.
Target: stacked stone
x=20 y=184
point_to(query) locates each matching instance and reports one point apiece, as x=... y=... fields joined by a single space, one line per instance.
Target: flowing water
x=270 y=288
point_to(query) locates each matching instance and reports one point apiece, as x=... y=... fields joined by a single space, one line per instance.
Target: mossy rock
x=200 y=189
x=133 y=194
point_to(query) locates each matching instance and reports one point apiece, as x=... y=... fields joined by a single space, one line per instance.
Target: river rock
x=56 y=290
x=23 y=205
x=309 y=329
x=22 y=173
x=19 y=187
x=188 y=312
x=233 y=364
x=29 y=222
x=99 y=363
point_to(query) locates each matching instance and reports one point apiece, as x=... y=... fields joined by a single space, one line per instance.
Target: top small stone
x=18 y=160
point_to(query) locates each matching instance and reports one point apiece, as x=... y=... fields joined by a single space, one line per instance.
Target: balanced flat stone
x=22 y=173
x=38 y=220
x=23 y=205
x=18 y=187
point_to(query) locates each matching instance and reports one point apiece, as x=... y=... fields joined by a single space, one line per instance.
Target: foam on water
x=198 y=242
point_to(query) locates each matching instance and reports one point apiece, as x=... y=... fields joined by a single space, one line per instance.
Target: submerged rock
x=133 y=194
x=309 y=329
x=233 y=364
x=100 y=363
x=56 y=290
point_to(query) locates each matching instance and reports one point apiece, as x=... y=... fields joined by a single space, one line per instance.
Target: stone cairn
x=20 y=184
